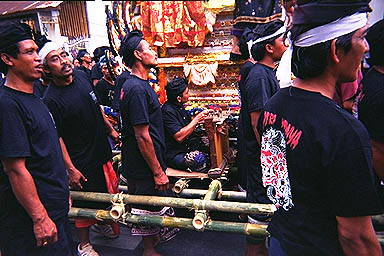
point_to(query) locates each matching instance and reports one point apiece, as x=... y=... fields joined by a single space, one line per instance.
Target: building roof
x=11 y=7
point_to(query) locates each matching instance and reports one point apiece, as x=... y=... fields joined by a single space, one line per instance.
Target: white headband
x=47 y=48
x=262 y=39
x=318 y=35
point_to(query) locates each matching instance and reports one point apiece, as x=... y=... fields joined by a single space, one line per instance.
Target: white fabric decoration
x=318 y=35
x=47 y=48
x=262 y=39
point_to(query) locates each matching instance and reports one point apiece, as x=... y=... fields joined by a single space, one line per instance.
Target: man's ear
x=46 y=69
x=178 y=98
x=7 y=59
x=136 y=53
x=333 y=54
x=269 y=48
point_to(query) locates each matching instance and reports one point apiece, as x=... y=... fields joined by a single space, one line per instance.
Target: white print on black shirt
x=274 y=168
x=53 y=120
x=93 y=96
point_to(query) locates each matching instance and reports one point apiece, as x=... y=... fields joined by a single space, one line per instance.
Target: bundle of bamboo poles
x=186 y=223
x=222 y=206
x=200 y=222
x=173 y=222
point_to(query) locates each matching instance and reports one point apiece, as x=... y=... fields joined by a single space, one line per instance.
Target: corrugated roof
x=9 y=7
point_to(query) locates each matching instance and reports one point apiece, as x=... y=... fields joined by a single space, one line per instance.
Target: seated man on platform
x=184 y=152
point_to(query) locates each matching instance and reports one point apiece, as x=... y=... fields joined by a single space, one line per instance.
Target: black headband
x=325 y=11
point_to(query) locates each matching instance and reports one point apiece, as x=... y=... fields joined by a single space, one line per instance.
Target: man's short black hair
x=243 y=43
x=80 y=55
x=130 y=43
x=309 y=62
x=375 y=38
x=258 y=50
x=99 y=52
x=176 y=88
x=11 y=33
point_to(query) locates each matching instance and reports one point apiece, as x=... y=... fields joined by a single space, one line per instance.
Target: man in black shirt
x=316 y=158
x=371 y=105
x=96 y=72
x=179 y=127
x=105 y=87
x=34 y=191
x=143 y=149
x=241 y=157
x=120 y=80
x=85 y=61
x=83 y=132
x=267 y=47
x=40 y=85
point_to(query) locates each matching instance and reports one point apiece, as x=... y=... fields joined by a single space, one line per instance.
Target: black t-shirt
x=39 y=88
x=2 y=80
x=260 y=85
x=174 y=118
x=86 y=71
x=27 y=130
x=79 y=122
x=96 y=73
x=317 y=164
x=118 y=84
x=105 y=92
x=240 y=156
x=140 y=105
x=371 y=105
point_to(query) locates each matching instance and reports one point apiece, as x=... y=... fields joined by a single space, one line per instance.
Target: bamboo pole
x=201 y=215
x=222 y=206
x=185 y=223
x=180 y=185
x=174 y=222
x=223 y=195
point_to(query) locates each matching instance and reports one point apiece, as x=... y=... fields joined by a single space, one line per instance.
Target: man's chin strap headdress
x=320 y=34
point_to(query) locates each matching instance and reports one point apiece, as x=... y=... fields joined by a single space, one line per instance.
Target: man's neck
x=176 y=103
x=139 y=70
x=323 y=84
x=108 y=79
x=86 y=65
x=379 y=69
x=267 y=61
x=15 y=82
x=59 y=81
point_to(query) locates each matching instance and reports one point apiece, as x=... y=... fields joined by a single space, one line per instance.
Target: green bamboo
x=213 y=190
x=174 y=222
x=223 y=195
x=201 y=216
x=222 y=206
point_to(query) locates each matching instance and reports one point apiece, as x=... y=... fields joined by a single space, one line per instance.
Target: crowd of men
x=321 y=165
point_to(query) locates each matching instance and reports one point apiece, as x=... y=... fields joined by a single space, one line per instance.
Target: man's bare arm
x=75 y=176
x=147 y=150
x=25 y=191
x=109 y=128
x=184 y=132
x=254 y=119
x=357 y=236
x=378 y=158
